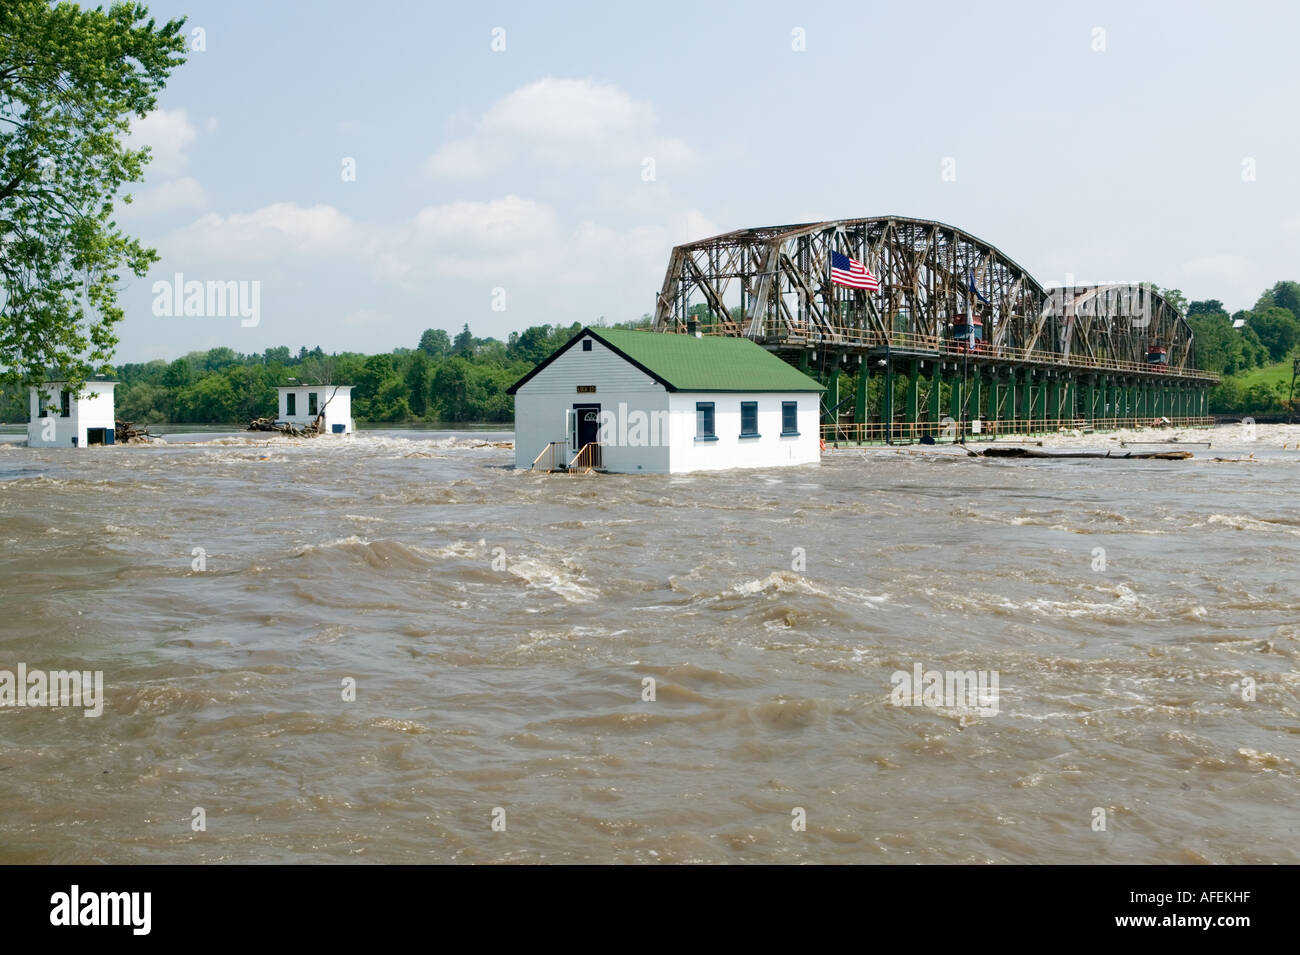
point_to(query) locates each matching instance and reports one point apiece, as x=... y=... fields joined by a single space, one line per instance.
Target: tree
x=1282 y=295
x=70 y=80
x=450 y=386
x=218 y=358
x=178 y=374
x=417 y=383
x=1219 y=347
x=435 y=343
x=464 y=343
x=1211 y=306
x=1277 y=329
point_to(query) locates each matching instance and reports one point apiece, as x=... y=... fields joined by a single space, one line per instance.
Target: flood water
x=499 y=626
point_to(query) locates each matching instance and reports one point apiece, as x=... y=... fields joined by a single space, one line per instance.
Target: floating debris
x=1024 y=452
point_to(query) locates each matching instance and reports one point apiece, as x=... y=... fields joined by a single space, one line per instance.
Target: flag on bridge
x=852 y=273
x=971 y=287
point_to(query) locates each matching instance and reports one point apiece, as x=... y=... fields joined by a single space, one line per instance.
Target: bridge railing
x=823 y=334
x=875 y=432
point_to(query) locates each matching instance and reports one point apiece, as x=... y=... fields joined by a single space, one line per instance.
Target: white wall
x=542 y=404
x=770 y=449
x=337 y=411
x=94 y=410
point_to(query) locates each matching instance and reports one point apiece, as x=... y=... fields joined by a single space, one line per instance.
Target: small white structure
x=61 y=418
x=657 y=403
x=300 y=404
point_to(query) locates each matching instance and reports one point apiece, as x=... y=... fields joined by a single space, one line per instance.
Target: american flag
x=852 y=273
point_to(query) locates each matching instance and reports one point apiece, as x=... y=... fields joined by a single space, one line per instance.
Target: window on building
x=291 y=404
x=749 y=419
x=704 y=421
x=65 y=404
x=586 y=344
x=311 y=403
x=790 y=417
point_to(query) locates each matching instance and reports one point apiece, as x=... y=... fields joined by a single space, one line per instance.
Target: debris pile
x=125 y=432
x=290 y=430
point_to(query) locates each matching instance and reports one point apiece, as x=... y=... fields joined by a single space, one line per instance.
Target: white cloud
x=168 y=134
x=270 y=233
x=510 y=221
x=176 y=195
x=560 y=122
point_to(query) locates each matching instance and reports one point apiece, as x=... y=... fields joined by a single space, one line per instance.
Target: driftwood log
x=289 y=430
x=1022 y=452
x=125 y=432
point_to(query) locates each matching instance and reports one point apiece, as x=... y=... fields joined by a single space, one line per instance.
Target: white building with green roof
x=656 y=403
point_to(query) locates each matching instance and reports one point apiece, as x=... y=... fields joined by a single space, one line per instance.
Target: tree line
x=1234 y=345
x=442 y=380
x=463 y=379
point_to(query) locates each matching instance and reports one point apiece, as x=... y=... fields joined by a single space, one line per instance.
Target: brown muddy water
x=499 y=626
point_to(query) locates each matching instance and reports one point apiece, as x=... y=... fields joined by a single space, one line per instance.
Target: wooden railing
x=548 y=454
x=587 y=459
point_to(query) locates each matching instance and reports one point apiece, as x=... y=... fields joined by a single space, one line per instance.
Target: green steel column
x=1133 y=400
x=913 y=395
x=954 y=397
x=1054 y=404
x=887 y=402
x=1090 y=398
x=833 y=395
x=803 y=361
x=860 y=393
x=1026 y=397
x=991 y=399
x=975 y=394
x=932 y=397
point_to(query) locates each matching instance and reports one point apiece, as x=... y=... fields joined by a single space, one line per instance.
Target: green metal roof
x=711 y=363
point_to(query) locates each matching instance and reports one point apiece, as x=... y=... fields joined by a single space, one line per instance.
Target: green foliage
x=435 y=343
x=1282 y=295
x=1277 y=328
x=220 y=386
x=70 y=81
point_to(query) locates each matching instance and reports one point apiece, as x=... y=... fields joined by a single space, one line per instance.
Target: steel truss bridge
x=960 y=338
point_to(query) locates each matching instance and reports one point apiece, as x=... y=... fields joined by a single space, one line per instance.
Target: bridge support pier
x=860 y=396
x=1027 y=398
x=991 y=400
x=913 y=395
x=887 y=403
x=933 y=397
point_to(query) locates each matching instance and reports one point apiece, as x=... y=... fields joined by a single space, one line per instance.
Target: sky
x=370 y=170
